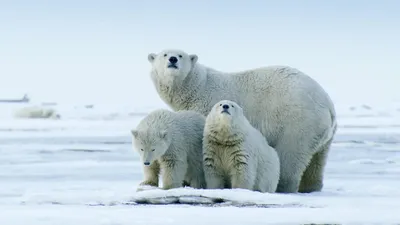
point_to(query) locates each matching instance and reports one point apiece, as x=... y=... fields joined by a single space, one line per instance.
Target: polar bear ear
x=163 y=134
x=135 y=133
x=151 y=57
x=193 y=58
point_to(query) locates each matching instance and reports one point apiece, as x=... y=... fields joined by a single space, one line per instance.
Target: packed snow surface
x=81 y=169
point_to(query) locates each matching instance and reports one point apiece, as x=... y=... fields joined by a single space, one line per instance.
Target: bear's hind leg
x=312 y=179
x=294 y=155
x=195 y=175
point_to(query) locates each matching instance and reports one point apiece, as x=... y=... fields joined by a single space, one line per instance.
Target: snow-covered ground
x=81 y=170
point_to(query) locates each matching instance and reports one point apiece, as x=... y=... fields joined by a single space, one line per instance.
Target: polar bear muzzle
x=225 y=109
x=172 y=62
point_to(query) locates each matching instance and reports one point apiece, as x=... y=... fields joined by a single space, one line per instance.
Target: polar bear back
x=185 y=127
x=188 y=126
x=268 y=92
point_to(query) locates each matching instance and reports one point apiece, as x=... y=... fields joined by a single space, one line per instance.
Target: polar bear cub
x=235 y=154
x=170 y=143
x=34 y=112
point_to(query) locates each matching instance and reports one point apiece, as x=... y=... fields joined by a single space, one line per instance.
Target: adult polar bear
x=288 y=107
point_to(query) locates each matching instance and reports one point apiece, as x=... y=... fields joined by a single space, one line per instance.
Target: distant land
x=24 y=99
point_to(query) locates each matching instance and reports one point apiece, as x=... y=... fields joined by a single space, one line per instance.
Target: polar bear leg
x=312 y=179
x=151 y=174
x=173 y=173
x=294 y=154
x=198 y=182
x=213 y=180
x=243 y=178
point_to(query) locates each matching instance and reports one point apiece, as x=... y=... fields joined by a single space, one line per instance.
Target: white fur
x=172 y=142
x=289 y=108
x=36 y=112
x=236 y=155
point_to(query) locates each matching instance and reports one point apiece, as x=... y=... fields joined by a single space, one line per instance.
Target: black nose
x=146 y=163
x=225 y=106
x=173 y=59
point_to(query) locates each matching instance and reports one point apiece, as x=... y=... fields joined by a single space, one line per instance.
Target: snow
x=82 y=170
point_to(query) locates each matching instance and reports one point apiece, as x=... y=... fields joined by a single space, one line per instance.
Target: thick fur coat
x=170 y=143
x=236 y=155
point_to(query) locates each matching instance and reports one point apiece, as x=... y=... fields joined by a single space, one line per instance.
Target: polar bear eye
x=165 y=55
x=180 y=56
x=141 y=149
x=233 y=106
x=153 y=150
x=220 y=104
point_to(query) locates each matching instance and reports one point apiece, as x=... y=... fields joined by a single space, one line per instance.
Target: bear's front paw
x=170 y=186
x=149 y=183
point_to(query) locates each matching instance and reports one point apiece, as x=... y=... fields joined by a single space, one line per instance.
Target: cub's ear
x=151 y=57
x=135 y=133
x=193 y=59
x=163 y=133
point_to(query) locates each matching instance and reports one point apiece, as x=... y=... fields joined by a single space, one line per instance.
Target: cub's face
x=224 y=119
x=226 y=108
x=150 y=145
x=224 y=115
x=172 y=64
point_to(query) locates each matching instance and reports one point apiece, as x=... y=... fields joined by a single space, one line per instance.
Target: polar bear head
x=151 y=144
x=227 y=109
x=172 y=64
x=225 y=115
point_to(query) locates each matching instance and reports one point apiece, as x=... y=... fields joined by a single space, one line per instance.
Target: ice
x=82 y=169
x=195 y=196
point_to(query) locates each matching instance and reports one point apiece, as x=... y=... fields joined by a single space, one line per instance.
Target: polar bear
x=36 y=112
x=290 y=109
x=235 y=154
x=171 y=142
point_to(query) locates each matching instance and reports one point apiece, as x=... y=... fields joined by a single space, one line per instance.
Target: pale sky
x=96 y=51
